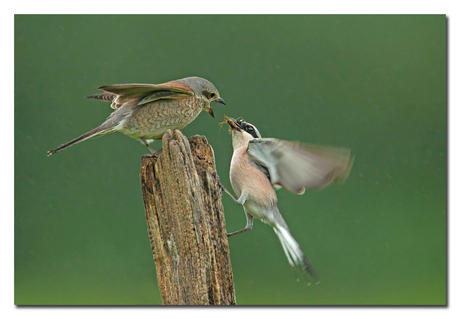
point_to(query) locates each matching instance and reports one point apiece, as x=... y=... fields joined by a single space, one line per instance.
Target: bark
x=186 y=224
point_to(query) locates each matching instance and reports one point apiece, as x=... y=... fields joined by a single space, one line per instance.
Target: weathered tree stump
x=186 y=223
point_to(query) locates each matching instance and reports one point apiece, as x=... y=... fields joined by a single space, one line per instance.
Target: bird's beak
x=220 y=100
x=211 y=112
x=233 y=124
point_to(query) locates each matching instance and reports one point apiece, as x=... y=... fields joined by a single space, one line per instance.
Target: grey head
x=202 y=88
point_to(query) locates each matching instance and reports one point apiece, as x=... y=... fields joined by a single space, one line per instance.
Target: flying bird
x=260 y=164
x=146 y=111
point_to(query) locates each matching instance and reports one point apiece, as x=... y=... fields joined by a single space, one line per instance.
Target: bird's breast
x=246 y=177
x=152 y=120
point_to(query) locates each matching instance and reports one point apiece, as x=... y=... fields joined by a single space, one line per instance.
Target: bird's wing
x=297 y=166
x=146 y=93
x=106 y=96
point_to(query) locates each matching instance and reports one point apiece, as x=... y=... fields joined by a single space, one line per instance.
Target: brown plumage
x=258 y=164
x=146 y=111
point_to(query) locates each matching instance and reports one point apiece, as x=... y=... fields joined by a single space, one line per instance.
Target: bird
x=146 y=111
x=259 y=165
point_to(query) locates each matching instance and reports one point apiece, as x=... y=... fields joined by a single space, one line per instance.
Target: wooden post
x=186 y=224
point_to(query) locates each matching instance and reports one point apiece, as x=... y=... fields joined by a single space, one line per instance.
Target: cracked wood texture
x=186 y=224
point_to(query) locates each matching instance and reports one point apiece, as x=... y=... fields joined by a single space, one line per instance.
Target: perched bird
x=146 y=111
x=258 y=164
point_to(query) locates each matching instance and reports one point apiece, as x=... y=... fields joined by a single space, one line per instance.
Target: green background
x=376 y=84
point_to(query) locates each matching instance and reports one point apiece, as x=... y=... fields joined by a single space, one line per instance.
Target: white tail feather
x=294 y=253
x=290 y=246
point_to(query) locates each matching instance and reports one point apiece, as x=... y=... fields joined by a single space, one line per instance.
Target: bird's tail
x=98 y=131
x=294 y=253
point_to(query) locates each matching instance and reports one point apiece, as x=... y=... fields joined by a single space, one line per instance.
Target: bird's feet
x=152 y=151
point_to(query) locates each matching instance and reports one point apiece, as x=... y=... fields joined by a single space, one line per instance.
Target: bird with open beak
x=146 y=111
x=258 y=164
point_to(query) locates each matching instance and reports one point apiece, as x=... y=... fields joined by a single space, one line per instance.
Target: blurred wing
x=297 y=167
x=145 y=93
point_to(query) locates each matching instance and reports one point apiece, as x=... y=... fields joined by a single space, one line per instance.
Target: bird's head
x=204 y=90
x=242 y=132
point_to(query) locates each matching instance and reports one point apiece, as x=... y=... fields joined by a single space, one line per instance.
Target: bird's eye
x=212 y=95
x=250 y=129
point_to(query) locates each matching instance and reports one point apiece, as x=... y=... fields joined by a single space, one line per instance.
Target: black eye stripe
x=208 y=95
